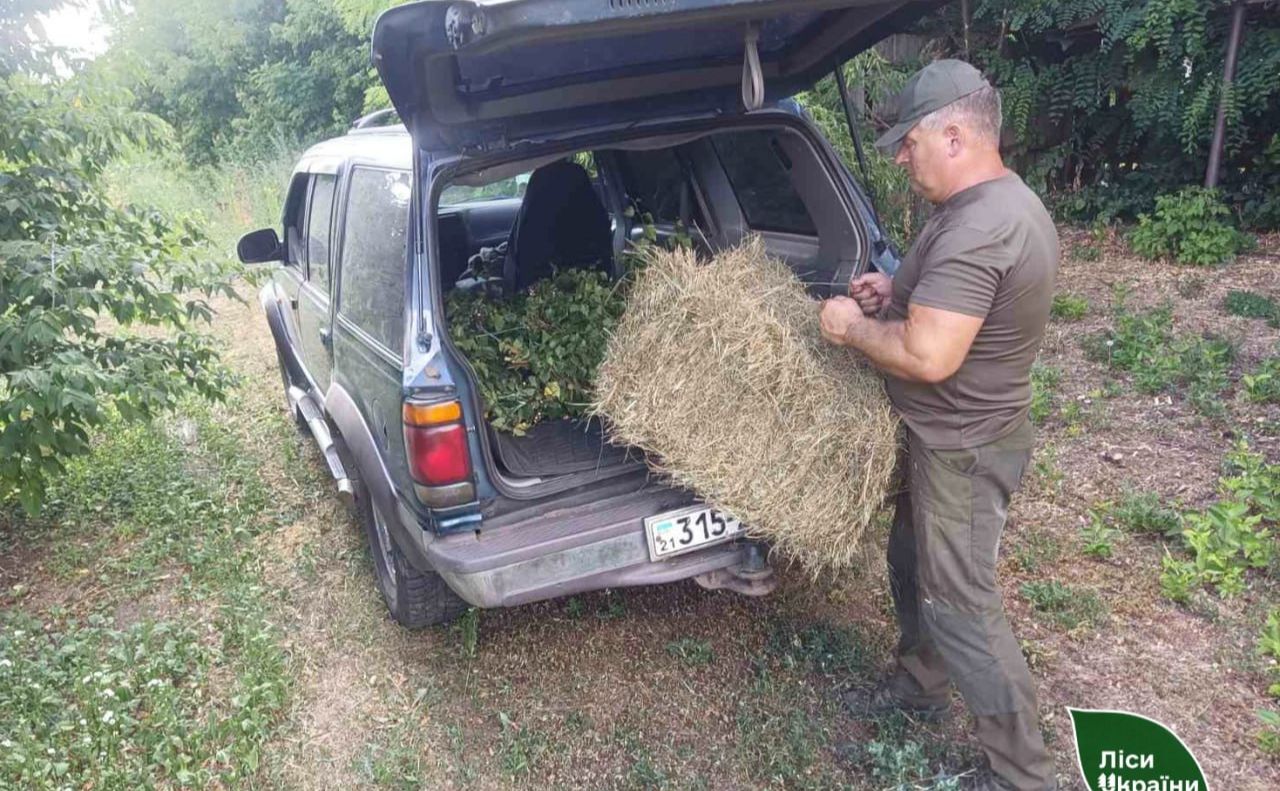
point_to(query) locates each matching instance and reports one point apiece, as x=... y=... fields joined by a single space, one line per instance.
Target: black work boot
x=885 y=698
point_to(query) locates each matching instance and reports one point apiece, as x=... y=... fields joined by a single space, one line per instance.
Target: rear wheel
x=416 y=599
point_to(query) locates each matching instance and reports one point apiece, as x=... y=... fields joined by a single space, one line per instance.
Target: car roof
x=380 y=146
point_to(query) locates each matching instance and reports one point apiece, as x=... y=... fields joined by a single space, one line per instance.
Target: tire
x=416 y=599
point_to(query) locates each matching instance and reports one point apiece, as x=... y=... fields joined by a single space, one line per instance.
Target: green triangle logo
x=1121 y=751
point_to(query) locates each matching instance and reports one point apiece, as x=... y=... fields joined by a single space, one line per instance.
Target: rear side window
x=318 y=217
x=657 y=183
x=374 y=253
x=760 y=172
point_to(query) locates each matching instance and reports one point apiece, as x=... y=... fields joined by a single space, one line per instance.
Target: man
x=956 y=330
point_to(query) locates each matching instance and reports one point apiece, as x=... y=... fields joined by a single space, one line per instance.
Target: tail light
x=436 y=441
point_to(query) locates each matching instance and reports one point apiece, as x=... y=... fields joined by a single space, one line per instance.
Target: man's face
x=926 y=156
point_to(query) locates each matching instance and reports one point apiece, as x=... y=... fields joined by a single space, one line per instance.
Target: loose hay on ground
x=718 y=370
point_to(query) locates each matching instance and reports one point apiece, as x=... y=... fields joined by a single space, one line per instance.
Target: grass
x=1069 y=307
x=691 y=652
x=167 y=669
x=229 y=200
x=1036 y=550
x=1251 y=305
x=1064 y=606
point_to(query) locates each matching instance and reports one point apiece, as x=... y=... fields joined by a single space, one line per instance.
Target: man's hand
x=838 y=316
x=872 y=291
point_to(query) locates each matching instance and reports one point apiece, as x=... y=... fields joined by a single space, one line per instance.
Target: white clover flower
x=109 y=717
x=83 y=721
x=6 y=744
x=5 y=663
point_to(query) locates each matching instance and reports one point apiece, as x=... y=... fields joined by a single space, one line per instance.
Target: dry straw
x=718 y=370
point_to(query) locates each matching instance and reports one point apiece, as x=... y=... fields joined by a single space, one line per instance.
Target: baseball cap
x=935 y=86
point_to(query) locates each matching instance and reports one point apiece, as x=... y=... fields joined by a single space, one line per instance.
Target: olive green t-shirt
x=990 y=251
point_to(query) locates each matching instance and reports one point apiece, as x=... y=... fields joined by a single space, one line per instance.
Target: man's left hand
x=839 y=315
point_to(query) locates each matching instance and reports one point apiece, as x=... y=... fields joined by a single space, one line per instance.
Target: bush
x=99 y=304
x=1192 y=226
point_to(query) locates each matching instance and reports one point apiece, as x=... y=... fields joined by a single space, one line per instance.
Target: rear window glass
x=760 y=172
x=507 y=188
x=374 y=253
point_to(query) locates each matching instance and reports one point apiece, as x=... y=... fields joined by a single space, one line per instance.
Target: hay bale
x=718 y=369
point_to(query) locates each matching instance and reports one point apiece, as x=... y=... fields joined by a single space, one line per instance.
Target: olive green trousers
x=942 y=568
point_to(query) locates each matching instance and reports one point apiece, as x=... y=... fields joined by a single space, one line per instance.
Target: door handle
x=326 y=337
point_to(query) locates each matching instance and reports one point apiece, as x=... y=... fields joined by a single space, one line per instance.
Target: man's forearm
x=886 y=344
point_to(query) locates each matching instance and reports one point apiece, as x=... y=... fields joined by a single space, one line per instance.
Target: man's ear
x=955 y=138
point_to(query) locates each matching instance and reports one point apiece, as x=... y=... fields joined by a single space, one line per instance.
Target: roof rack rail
x=375 y=118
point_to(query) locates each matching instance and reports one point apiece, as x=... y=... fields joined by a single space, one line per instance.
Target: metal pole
x=853 y=132
x=1228 y=74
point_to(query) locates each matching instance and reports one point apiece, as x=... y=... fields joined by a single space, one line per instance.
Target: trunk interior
x=508 y=227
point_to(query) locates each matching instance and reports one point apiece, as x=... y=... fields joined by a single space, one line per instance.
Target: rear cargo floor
x=557 y=447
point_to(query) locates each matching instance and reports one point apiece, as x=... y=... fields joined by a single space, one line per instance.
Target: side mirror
x=258 y=247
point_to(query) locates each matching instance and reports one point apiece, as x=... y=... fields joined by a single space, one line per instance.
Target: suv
x=537 y=132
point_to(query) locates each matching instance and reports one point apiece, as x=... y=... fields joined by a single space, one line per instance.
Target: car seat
x=561 y=222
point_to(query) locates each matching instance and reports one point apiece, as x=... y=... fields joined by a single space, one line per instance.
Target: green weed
x=468 y=627
x=691 y=652
x=1086 y=252
x=821 y=647
x=1231 y=536
x=1251 y=305
x=1098 y=537
x=1144 y=345
x=1036 y=549
x=1068 y=307
x=1143 y=512
x=1269 y=736
x=1066 y=607
x=1263 y=385
x=1044 y=382
x=521 y=748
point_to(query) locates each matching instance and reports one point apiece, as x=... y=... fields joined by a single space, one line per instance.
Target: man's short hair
x=979 y=112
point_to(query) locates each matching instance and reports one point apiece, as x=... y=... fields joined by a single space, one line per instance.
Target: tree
x=99 y=304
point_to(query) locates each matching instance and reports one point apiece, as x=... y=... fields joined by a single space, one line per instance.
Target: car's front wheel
x=416 y=599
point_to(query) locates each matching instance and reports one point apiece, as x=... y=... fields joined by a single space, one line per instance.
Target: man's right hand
x=871 y=291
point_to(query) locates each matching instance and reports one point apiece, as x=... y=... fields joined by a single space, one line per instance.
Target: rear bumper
x=567 y=551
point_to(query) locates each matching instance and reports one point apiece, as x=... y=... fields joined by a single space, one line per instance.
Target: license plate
x=677 y=532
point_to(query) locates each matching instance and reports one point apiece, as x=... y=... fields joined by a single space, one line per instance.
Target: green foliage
x=171 y=699
x=1044 y=382
x=900 y=211
x=1066 y=607
x=1145 y=345
x=1144 y=513
x=85 y=284
x=1251 y=305
x=1111 y=102
x=820 y=647
x=1069 y=307
x=1231 y=536
x=1263 y=385
x=535 y=354
x=1269 y=646
x=1191 y=227
x=237 y=78
x=1098 y=537
x=1269 y=736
